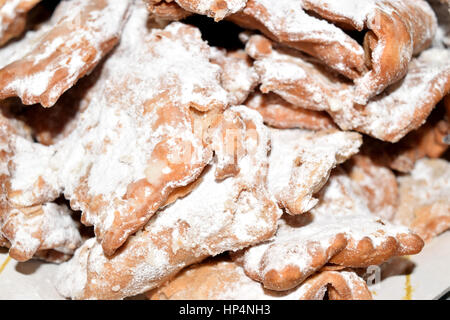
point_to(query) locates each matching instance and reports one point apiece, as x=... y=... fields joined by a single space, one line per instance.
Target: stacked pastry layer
x=144 y=159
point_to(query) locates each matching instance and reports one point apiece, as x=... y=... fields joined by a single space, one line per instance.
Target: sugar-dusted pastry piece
x=401 y=108
x=339 y=230
x=425 y=198
x=166 y=9
x=238 y=76
x=397 y=29
x=427 y=141
x=141 y=134
x=40 y=67
x=216 y=216
x=43 y=227
x=297 y=80
x=301 y=162
x=376 y=183
x=29 y=229
x=405 y=105
x=279 y=113
x=287 y=22
x=178 y=9
x=224 y=280
x=13 y=18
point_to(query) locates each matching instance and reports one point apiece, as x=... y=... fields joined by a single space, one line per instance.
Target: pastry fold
x=401 y=108
x=396 y=30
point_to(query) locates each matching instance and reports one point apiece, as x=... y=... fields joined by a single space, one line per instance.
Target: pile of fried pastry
x=143 y=159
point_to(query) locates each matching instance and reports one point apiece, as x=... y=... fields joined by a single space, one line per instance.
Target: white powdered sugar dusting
x=301 y=161
x=94 y=25
x=340 y=212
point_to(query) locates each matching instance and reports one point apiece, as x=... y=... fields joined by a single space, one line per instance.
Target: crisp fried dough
x=38 y=228
x=45 y=63
x=298 y=81
x=218 y=215
x=286 y=22
x=425 y=198
x=279 y=113
x=339 y=230
x=13 y=14
x=396 y=31
x=301 y=162
x=220 y=279
x=427 y=141
x=29 y=229
x=149 y=139
x=376 y=182
x=178 y=9
x=401 y=108
x=238 y=76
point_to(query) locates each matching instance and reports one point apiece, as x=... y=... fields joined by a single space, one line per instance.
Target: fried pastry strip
x=425 y=198
x=279 y=113
x=397 y=29
x=45 y=63
x=140 y=136
x=401 y=108
x=29 y=229
x=179 y=9
x=301 y=162
x=224 y=280
x=13 y=18
x=376 y=183
x=339 y=230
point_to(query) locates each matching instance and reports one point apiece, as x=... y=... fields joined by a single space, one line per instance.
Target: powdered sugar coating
x=223 y=280
x=401 y=108
x=122 y=158
x=301 y=162
x=51 y=60
x=424 y=198
x=218 y=215
x=49 y=226
x=405 y=105
x=12 y=18
x=334 y=231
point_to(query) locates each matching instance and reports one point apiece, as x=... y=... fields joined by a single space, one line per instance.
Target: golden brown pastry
x=42 y=65
x=375 y=182
x=178 y=9
x=220 y=279
x=397 y=30
x=401 y=108
x=216 y=216
x=150 y=139
x=340 y=230
x=13 y=14
x=425 y=198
